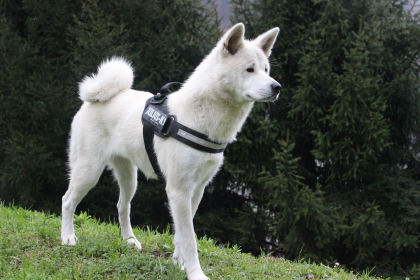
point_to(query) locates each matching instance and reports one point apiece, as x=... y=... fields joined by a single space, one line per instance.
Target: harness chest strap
x=156 y=120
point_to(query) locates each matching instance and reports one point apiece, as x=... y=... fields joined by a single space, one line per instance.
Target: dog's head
x=244 y=67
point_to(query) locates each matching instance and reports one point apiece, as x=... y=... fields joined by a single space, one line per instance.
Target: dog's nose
x=275 y=88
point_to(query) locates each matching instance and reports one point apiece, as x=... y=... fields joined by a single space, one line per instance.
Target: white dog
x=107 y=131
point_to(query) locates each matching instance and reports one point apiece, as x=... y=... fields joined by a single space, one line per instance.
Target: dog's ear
x=233 y=39
x=266 y=40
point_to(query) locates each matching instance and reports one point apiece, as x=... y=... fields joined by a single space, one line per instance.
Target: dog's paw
x=178 y=261
x=70 y=240
x=133 y=240
x=194 y=271
x=199 y=275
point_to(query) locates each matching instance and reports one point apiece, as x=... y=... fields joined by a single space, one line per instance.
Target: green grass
x=30 y=248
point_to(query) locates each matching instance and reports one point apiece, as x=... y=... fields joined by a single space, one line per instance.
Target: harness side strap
x=148 y=135
x=195 y=139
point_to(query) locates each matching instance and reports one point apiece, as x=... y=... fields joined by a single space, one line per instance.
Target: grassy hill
x=30 y=248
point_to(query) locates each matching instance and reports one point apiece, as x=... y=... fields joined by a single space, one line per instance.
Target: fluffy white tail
x=114 y=75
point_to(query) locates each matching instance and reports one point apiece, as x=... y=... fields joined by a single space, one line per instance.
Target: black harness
x=157 y=121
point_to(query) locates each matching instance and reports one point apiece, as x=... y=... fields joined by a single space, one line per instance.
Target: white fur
x=113 y=76
x=215 y=100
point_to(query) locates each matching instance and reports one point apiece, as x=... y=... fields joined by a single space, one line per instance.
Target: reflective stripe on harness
x=157 y=120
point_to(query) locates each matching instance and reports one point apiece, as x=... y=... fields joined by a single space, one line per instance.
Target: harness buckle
x=167 y=126
x=158 y=99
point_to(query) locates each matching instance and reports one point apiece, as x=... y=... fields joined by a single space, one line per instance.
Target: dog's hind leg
x=84 y=176
x=126 y=174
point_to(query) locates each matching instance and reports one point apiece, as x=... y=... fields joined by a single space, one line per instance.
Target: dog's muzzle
x=275 y=91
x=275 y=88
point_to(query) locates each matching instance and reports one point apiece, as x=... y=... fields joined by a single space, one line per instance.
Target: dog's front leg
x=185 y=254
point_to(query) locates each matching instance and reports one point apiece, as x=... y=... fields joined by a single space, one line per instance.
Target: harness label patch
x=155 y=116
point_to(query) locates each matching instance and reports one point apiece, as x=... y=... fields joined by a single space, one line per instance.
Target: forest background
x=330 y=172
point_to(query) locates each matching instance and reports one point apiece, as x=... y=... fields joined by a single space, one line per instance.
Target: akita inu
x=107 y=131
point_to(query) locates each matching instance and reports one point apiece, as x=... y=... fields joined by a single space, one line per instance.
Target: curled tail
x=114 y=75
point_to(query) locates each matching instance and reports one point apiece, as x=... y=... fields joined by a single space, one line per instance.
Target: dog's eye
x=250 y=70
x=265 y=70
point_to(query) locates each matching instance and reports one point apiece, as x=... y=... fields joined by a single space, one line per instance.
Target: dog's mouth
x=265 y=99
x=272 y=98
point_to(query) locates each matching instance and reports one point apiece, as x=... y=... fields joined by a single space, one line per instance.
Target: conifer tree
x=46 y=48
x=350 y=80
x=302 y=219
